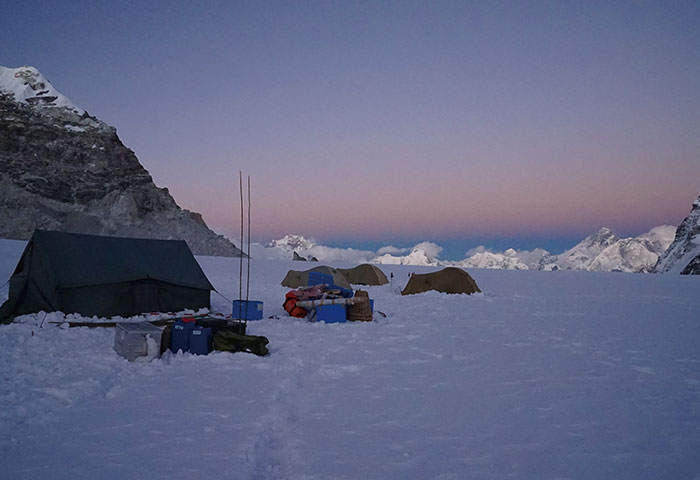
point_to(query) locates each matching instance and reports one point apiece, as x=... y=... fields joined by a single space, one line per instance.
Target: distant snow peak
x=423 y=254
x=584 y=253
x=605 y=252
x=292 y=243
x=298 y=247
x=601 y=251
x=507 y=260
x=510 y=259
x=30 y=87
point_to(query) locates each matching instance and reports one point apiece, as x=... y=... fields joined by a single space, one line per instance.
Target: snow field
x=544 y=375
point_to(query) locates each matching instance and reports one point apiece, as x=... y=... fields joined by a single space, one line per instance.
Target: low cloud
x=432 y=250
x=391 y=250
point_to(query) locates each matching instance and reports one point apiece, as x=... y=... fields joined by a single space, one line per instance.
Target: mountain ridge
x=601 y=251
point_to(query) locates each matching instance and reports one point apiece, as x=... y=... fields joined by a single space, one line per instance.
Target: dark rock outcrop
x=693 y=268
x=682 y=255
x=61 y=170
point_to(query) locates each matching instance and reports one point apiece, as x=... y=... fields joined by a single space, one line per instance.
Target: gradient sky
x=372 y=123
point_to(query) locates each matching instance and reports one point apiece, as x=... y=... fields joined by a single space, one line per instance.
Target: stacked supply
x=198 y=337
x=319 y=303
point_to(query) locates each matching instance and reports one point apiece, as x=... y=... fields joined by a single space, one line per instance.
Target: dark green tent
x=104 y=276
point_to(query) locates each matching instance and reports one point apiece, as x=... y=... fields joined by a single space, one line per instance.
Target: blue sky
x=497 y=123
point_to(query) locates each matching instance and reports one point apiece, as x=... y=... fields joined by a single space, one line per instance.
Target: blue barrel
x=200 y=341
x=180 y=336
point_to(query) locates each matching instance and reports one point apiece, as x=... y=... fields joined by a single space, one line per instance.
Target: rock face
x=683 y=255
x=62 y=169
x=693 y=268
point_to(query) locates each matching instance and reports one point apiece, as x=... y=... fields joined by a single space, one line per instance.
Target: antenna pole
x=240 y=271
x=247 y=286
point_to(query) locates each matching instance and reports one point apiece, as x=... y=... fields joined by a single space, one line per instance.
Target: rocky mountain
x=62 y=169
x=683 y=255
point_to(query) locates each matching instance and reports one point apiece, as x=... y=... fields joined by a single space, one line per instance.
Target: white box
x=130 y=339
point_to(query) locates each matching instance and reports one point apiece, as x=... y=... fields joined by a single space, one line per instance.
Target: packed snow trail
x=545 y=375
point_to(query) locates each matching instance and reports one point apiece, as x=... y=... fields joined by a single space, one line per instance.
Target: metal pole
x=247 y=286
x=240 y=271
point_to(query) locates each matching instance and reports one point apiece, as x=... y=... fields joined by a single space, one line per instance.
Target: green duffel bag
x=228 y=341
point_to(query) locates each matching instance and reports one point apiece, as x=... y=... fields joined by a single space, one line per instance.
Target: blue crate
x=318 y=278
x=331 y=314
x=200 y=341
x=250 y=310
x=180 y=336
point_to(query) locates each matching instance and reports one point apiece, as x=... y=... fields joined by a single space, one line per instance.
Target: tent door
x=146 y=296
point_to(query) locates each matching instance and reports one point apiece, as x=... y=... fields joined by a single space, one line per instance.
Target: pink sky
x=392 y=120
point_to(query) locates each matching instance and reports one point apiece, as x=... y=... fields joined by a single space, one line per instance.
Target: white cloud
x=391 y=250
x=432 y=250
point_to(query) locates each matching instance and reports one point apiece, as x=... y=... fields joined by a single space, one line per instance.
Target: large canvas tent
x=447 y=280
x=104 y=276
x=296 y=279
x=365 y=274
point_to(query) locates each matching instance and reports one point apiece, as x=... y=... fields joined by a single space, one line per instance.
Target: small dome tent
x=365 y=274
x=104 y=276
x=447 y=280
x=296 y=279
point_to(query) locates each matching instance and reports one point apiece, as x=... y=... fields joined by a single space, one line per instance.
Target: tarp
x=447 y=280
x=104 y=276
x=365 y=274
x=296 y=279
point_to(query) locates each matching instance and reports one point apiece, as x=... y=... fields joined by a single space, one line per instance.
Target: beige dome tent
x=296 y=279
x=447 y=280
x=365 y=274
